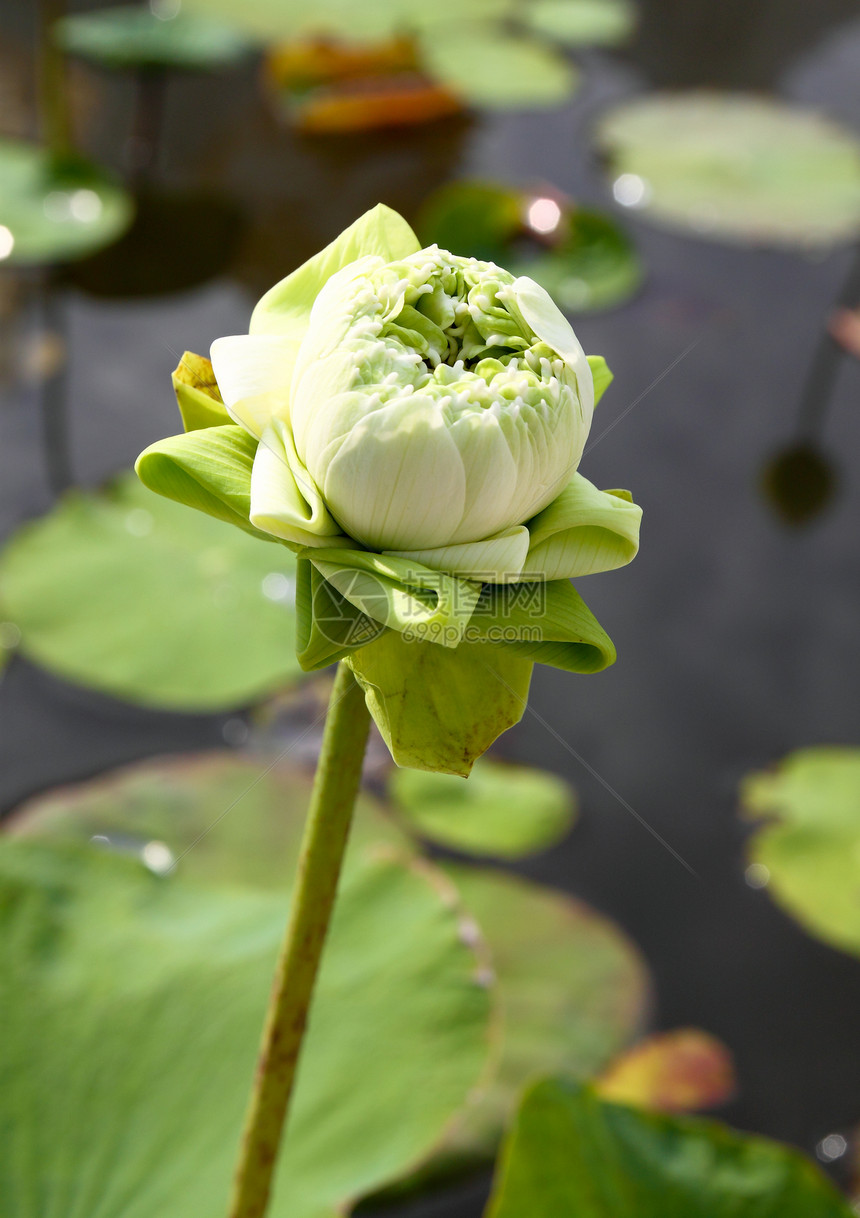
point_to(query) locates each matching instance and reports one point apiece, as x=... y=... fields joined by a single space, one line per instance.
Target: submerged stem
x=329 y=817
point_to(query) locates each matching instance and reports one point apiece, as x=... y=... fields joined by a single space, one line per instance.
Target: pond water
x=737 y=636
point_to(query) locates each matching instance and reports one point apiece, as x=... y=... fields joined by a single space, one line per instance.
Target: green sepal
x=400 y=593
x=328 y=627
x=603 y=378
x=208 y=469
x=583 y=531
x=286 y=307
x=549 y=623
x=197 y=394
x=439 y=708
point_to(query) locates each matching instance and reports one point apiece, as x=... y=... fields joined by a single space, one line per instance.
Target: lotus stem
x=335 y=789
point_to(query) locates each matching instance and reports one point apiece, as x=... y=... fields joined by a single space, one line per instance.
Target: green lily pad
x=131 y=1032
x=136 y=36
x=487 y=67
x=593 y=267
x=582 y=22
x=129 y=593
x=587 y=264
x=735 y=168
x=55 y=210
x=220 y=818
x=808 y=839
x=573 y=992
x=503 y=810
x=572 y=988
x=571 y=1155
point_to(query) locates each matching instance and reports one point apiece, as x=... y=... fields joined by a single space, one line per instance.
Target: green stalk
x=329 y=817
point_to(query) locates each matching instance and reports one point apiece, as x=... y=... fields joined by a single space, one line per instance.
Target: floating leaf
x=735 y=168
x=226 y=818
x=678 y=1071
x=582 y=22
x=55 y=210
x=593 y=266
x=131 y=1030
x=133 y=595
x=572 y=988
x=587 y=263
x=138 y=36
x=572 y=1155
x=809 y=839
x=504 y=810
x=486 y=67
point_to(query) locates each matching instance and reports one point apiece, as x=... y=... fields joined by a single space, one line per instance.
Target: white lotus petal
x=254 y=372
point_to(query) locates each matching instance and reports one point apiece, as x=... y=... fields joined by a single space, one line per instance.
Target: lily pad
x=138 y=36
x=133 y=595
x=55 y=210
x=582 y=22
x=808 y=838
x=487 y=67
x=573 y=992
x=572 y=1155
x=220 y=818
x=593 y=266
x=586 y=262
x=735 y=168
x=145 y=996
x=503 y=810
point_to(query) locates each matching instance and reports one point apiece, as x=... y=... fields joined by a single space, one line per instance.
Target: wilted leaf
x=504 y=810
x=678 y=1071
x=809 y=839
x=735 y=167
x=133 y=595
x=572 y=1155
x=131 y=1029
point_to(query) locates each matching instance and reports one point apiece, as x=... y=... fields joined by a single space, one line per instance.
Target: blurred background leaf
x=735 y=167
x=503 y=810
x=142 y=36
x=133 y=595
x=572 y=1155
x=807 y=815
x=55 y=209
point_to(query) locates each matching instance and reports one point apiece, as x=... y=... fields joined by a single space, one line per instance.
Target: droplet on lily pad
x=734 y=167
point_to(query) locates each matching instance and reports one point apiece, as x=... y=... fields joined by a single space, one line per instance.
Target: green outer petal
x=328 y=627
x=197 y=393
x=549 y=623
x=286 y=307
x=601 y=375
x=439 y=709
x=208 y=469
x=582 y=532
x=400 y=593
x=285 y=501
x=496 y=560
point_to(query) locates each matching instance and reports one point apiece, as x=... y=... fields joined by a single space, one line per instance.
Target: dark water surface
x=737 y=638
